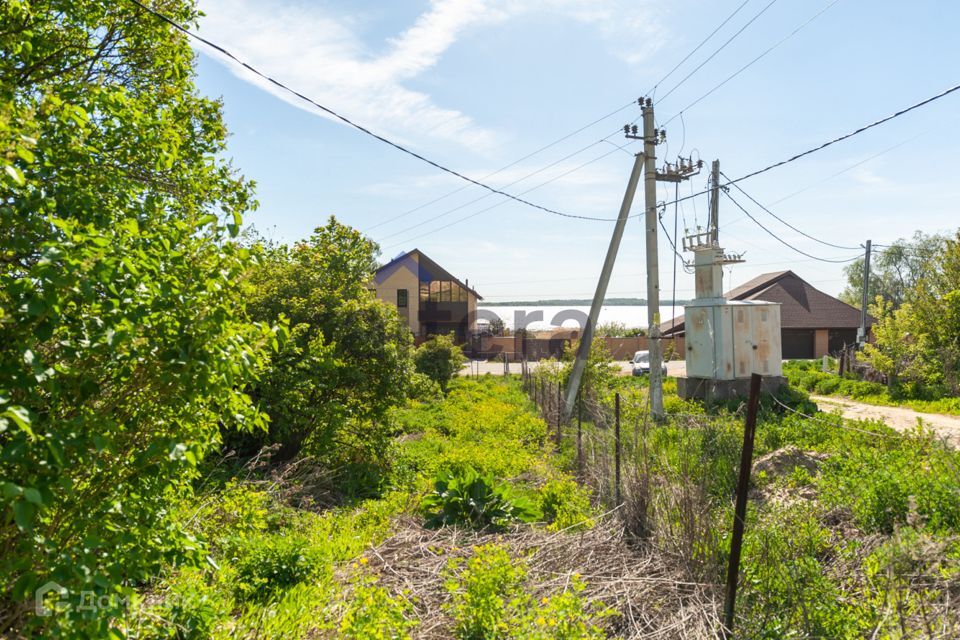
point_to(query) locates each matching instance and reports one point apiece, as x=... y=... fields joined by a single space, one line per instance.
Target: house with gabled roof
x=812 y=323
x=427 y=296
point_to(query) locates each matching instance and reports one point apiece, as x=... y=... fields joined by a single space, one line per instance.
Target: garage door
x=797 y=343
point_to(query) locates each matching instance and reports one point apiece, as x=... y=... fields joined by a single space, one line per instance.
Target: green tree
x=439 y=359
x=894 y=271
x=124 y=347
x=349 y=356
x=919 y=342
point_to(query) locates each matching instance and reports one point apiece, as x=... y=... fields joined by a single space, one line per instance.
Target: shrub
x=485 y=593
x=271 y=563
x=373 y=614
x=467 y=498
x=565 y=504
x=563 y=616
x=439 y=359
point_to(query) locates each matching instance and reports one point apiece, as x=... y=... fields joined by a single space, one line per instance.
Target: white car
x=641 y=364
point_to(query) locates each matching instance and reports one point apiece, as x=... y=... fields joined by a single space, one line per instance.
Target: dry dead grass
x=652 y=593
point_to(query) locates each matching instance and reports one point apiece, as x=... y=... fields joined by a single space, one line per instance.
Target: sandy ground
x=899 y=418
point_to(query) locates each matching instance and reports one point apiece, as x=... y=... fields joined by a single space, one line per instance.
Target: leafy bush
x=439 y=359
x=489 y=601
x=565 y=504
x=464 y=497
x=272 y=563
x=348 y=360
x=374 y=614
x=124 y=344
x=485 y=593
x=563 y=616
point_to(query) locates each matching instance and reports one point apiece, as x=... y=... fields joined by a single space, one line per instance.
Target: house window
x=401 y=298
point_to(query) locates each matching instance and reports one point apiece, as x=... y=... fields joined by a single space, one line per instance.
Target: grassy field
x=851 y=533
x=808 y=376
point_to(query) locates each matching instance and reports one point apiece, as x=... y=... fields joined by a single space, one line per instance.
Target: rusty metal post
x=616 y=451
x=580 y=436
x=559 y=412
x=740 y=510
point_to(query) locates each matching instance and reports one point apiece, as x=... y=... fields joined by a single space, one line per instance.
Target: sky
x=478 y=85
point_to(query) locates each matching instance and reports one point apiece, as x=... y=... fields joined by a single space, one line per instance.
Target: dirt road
x=899 y=418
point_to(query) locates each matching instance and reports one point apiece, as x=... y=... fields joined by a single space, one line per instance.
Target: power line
x=752 y=62
x=697 y=48
x=487 y=195
x=848 y=135
x=721 y=48
x=781 y=240
x=803 y=233
x=606 y=139
x=502 y=202
x=507 y=166
x=826 y=144
x=349 y=122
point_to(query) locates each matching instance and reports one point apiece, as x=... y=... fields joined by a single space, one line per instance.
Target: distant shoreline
x=609 y=302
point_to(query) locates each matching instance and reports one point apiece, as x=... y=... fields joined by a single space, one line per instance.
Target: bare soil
x=899 y=418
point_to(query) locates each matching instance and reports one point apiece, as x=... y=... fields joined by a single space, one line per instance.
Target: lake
x=553 y=316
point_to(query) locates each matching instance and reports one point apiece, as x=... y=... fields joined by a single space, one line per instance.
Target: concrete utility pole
x=715 y=202
x=862 y=331
x=653 y=269
x=583 y=352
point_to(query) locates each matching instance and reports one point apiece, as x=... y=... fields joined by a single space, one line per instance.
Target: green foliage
x=787 y=592
x=373 y=613
x=348 y=359
x=269 y=563
x=124 y=345
x=489 y=601
x=465 y=497
x=439 y=359
x=563 y=616
x=618 y=330
x=565 y=504
x=485 y=593
x=806 y=376
x=895 y=272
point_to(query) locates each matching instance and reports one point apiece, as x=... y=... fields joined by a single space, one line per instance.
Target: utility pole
x=650 y=139
x=862 y=331
x=583 y=351
x=715 y=202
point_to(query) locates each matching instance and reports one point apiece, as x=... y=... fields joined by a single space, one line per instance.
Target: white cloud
x=320 y=55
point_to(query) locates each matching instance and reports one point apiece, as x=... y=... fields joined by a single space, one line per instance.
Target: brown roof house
x=432 y=301
x=812 y=323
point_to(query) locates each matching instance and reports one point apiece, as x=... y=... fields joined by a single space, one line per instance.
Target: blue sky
x=476 y=85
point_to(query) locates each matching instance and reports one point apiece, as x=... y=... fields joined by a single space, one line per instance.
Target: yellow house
x=432 y=301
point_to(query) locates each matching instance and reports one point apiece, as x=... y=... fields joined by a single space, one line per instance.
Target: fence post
x=559 y=412
x=579 y=435
x=740 y=510
x=616 y=452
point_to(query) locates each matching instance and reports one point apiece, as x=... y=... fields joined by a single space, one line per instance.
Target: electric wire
x=781 y=240
x=348 y=121
x=721 y=48
x=488 y=195
x=846 y=136
x=698 y=47
x=820 y=147
x=503 y=202
x=803 y=233
x=752 y=62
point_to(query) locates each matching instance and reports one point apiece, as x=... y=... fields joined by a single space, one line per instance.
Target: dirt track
x=899 y=418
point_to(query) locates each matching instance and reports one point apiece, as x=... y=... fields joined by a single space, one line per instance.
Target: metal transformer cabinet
x=732 y=340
